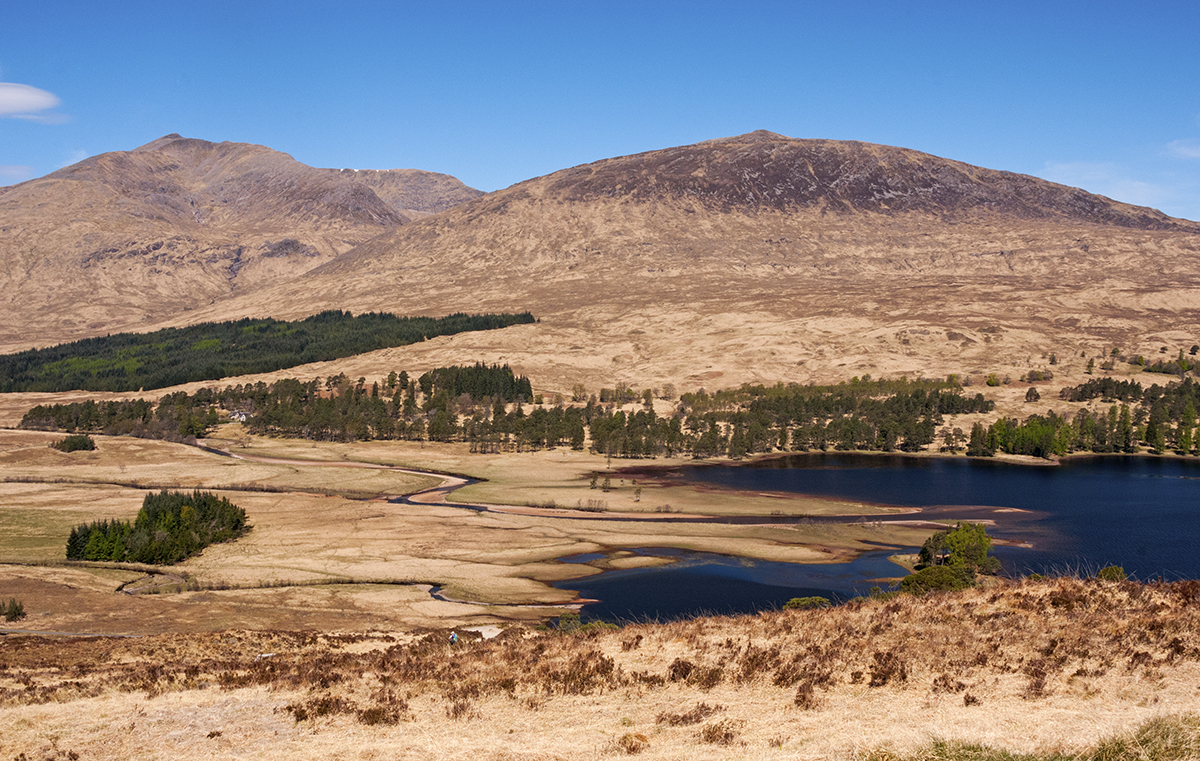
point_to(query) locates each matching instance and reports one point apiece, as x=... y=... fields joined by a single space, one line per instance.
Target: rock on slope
x=126 y=238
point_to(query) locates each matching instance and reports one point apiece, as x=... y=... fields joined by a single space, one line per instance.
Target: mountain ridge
x=762 y=258
x=810 y=172
x=653 y=287
x=127 y=238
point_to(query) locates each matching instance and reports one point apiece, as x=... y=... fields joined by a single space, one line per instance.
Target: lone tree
x=951 y=559
x=966 y=545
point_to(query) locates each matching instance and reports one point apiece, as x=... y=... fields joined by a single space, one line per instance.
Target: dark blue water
x=702 y=583
x=1141 y=513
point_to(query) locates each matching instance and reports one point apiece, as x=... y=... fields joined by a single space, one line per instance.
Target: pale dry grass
x=313 y=552
x=1029 y=667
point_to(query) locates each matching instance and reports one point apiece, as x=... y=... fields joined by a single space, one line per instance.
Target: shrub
x=804 y=603
x=79 y=442
x=14 y=610
x=378 y=715
x=887 y=667
x=806 y=697
x=937 y=578
x=722 y=732
x=1112 y=573
x=680 y=670
x=698 y=714
x=706 y=677
x=633 y=743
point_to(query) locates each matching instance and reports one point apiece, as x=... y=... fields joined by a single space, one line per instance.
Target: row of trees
x=170 y=526
x=174 y=417
x=486 y=407
x=210 y=351
x=1162 y=418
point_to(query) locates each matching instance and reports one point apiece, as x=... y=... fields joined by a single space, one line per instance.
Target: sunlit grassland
x=329 y=524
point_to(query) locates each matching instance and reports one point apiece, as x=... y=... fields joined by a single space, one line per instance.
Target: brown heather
x=1033 y=666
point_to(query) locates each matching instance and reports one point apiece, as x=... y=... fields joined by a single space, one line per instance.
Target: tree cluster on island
x=952 y=559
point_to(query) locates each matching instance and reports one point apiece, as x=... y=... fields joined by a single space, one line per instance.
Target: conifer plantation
x=210 y=351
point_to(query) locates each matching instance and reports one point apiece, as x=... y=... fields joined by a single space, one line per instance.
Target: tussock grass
x=1040 y=668
x=1167 y=738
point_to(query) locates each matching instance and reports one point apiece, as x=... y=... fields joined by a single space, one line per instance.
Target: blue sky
x=1102 y=95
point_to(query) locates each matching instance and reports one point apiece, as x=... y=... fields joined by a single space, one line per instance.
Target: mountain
x=127 y=238
x=762 y=258
x=756 y=258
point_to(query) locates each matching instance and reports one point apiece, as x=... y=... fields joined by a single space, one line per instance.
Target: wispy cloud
x=75 y=157
x=15 y=172
x=1107 y=180
x=1188 y=149
x=24 y=102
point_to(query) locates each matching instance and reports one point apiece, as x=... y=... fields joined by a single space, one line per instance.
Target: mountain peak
x=154 y=145
x=757 y=136
x=763 y=170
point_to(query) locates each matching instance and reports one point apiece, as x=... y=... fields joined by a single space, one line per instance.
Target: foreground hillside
x=1031 y=667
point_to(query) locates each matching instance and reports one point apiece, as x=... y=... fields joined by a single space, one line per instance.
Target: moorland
x=662 y=284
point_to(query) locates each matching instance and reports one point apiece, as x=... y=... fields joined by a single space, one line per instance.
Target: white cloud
x=1188 y=149
x=1107 y=180
x=25 y=102
x=15 y=172
x=75 y=157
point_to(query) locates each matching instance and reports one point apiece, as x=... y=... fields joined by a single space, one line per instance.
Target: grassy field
x=555 y=476
x=327 y=549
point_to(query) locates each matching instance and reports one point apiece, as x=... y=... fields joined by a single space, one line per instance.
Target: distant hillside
x=413 y=192
x=765 y=258
x=756 y=258
x=127 y=238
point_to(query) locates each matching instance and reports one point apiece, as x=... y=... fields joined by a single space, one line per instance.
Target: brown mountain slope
x=766 y=258
x=413 y=192
x=126 y=238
